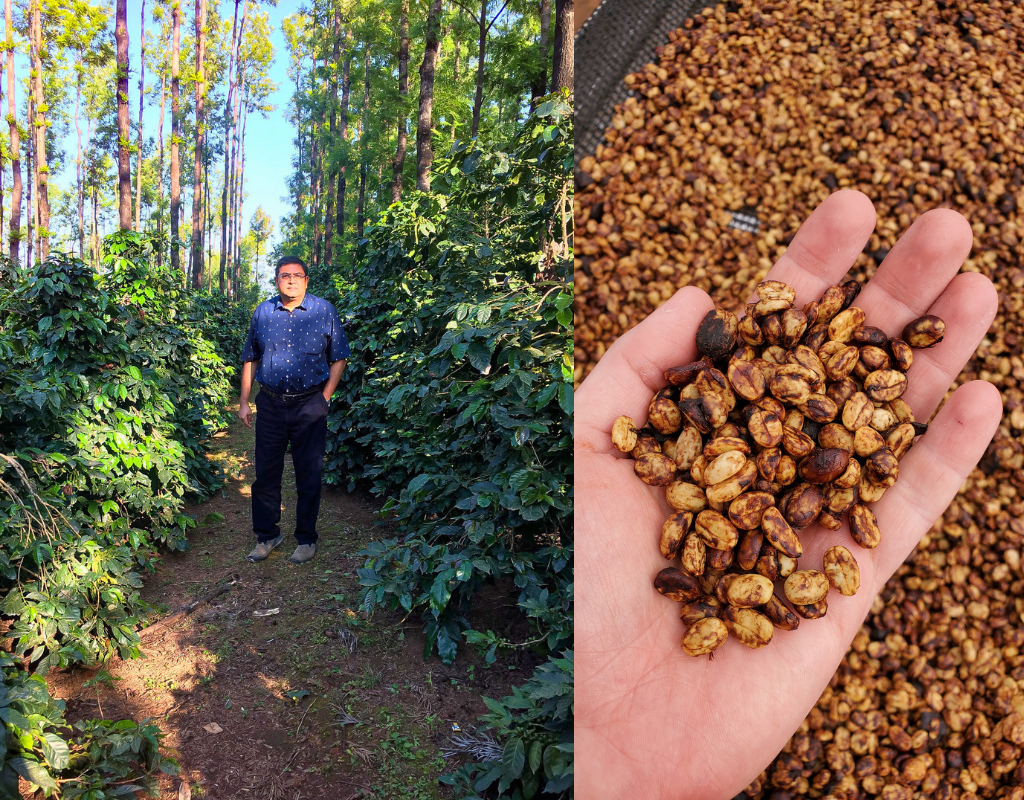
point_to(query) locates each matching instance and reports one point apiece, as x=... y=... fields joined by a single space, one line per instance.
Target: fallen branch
x=186 y=609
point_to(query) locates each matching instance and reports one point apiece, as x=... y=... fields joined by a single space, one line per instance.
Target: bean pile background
x=764 y=110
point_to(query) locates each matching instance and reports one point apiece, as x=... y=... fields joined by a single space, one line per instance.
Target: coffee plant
x=457 y=407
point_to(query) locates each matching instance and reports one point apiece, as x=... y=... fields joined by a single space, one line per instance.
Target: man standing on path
x=297 y=351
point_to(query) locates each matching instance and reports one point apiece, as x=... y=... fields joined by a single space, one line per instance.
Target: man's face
x=291 y=282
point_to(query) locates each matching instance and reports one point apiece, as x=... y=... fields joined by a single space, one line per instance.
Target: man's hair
x=284 y=261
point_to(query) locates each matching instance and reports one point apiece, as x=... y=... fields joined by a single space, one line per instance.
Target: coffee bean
x=793 y=324
x=724 y=466
x=882 y=467
x=703 y=608
x=776 y=290
x=693 y=410
x=926 y=331
x=832 y=435
x=677 y=585
x=824 y=465
x=745 y=511
x=851 y=477
x=765 y=428
x=693 y=555
x=804 y=505
x=806 y=587
x=867 y=440
x=749 y=548
x=747 y=380
x=841 y=364
x=624 y=434
x=749 y=591
x=716 y=335
x=673 y=532
x=685 y=375
x=645 y=443
x=900 y=439
x=864 y=527
x=874 y=358
x=857 y=411
x=733 y=487
x=869 y=335
x=655 y=469
x=664 y=415
x=779 y=533
x=902 y=354
x=704 y=636
x=719 y=559
x=843 y=325
x=820 y=408
x=785 y=473
x=885 y=384
x=812 y=610
x=716 y=530
x=688 y=447
x=780 y=614
x=748 y=626
x=842 y=571
x=768 y=561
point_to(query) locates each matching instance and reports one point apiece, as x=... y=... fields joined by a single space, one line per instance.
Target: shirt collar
x=305 y=299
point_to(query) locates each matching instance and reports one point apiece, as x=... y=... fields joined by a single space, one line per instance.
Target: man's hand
x=245 y=413
x=652 y=722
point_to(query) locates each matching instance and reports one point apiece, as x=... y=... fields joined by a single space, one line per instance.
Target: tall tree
x=540 y=83
x=197 y=180
x=562 y=75
x=160 y=170
x=175 y=132
x=124 y=180
x=232 y=79
x=484 y=28
x=42 y=170
x=364 y=130
x=12 y=120
x=424 y=148
x=142 y=95
x=343 y=135
x=398 y=165
x=332 y=125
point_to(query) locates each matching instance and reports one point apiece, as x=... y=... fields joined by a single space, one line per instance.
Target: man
x=297 y=351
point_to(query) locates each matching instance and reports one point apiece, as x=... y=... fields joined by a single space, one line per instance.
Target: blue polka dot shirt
x=295 y=348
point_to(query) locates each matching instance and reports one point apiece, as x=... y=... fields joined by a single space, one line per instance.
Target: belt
x=292 y=395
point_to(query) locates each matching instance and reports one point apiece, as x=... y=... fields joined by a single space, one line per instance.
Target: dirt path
x=300 y=716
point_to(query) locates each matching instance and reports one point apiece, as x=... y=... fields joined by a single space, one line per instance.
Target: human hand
x=652 y=722
x=245 y=413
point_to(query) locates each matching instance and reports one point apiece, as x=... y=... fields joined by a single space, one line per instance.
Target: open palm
x=652 y=722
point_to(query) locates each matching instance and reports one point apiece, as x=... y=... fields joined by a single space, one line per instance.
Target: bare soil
x=299 y=715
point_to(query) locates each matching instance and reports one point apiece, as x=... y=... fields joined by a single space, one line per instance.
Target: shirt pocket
x=314 y=361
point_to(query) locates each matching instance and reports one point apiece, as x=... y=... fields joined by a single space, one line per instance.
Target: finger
x=826 y=246
x=932 y=472
x=967 y=306
x=917 y=270
x=634 y=367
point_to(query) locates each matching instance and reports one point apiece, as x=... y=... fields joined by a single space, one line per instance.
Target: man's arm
x=337 y=369
x=248 y=376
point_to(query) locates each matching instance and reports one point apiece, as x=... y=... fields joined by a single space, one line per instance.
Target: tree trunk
x=336 y=59
x=398 y=165
x=124 y=178
x=142 y=95
x=364 y=155
x=12 y=118
x=562 y=74
x=316 y=170
x=31 y=208
x=478 y=99
x=540 y=82
x=160 y=175
x=197 y=180
x=96 y=227
x=424 y=150
x=241 y=194
x=79 y=164
x=42 y=171
x=228 y=109
x=342 y=187
x=175 y=166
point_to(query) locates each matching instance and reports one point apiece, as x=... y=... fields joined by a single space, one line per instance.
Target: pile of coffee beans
x=793 y=416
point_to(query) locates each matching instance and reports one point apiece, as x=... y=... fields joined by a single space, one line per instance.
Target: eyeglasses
x=285 y=276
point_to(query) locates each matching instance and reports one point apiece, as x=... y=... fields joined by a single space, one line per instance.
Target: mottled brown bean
x=797 y=443
x=745 y=511
x=767 y=462
x=645 y=443
x=885 y=385
x=655 y=469
x=864 y=527
x=703 y=608
x=902 y=354
x=849 y=478
x=749 y=591
x=716 y=530
x=842 y=326
x=733 y=487
x=926 y=331
x=824 y=465
x=805 y=503
x=820 y=408
x=882 y=467
x=867 y=440
x=900 y=439
x=693 y=410
x=768 y=561
x=685 y=496
x=842 y=570
x=749 y=549
x=704 y=636
x=724 y=466
x=748 y=626
x=857 y=411
x=812 y=610
x=869 y=334
x=720 y=559
x=765 y=428
x=693 y=555
x=673 y=531
x=785 y=474
x=716 y=334
x=780 y=614
x=842 y=363
x=874 y=358
x=685 y=375
x=805 y=587
x=746 y=379
x=780 y=534
x=624 y=434
x=835 y=435
x=677 y=585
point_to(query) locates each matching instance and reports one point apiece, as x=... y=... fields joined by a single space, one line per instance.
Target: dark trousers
x=304 y=424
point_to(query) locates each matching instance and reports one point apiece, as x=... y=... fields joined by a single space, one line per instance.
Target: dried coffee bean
x=702 y=608
x=901 y=408
x=776 y=290
x=926 y=331
x=747 y=380
x=830 y=520
x=709 y=580
x=684 y=376
x=817 y=333
x=882 y=467
x=793 y=323
x=768 y=561
x=804 y=505
x=831 y=303
x=900 y=439
x=883 y=420
x=824 y=465
x=874 y=358
x=868 y=334
x=787 y=564
x=748 y=626
x=697 y=470
x=684 y=496
x=780 y=614
x=673 y=532
x=664 y=415
x=857 y=411
x=841 y=364
x=794 y=419
x=750 y=332
x=767 y=462
x=716 y=335
x=765 y=428
x=771 y=326
x=668 y=447
x=779 y=533
x=722 y=587
x=864 y=527
x=842 y=326
x=624 y=434
x=885 y=385
x=819 y=408
x=838 y=499
x=851 y=290
x=730 y=430
x=797 y=443
x=693 y=555
x=693 y=410
x=812 y=610
x=749 y=591
x=715 y=410
x=842 y=571
x=785 y=473
x=655 y=469
x=745 y=511
x=771 y=307
x=716 y=530
x=722 y=444
x=719 y=559
x=733 y=487
x=849 y=478
x=866 y=441
x=677 y=585
x=829 y=350
x=688 y=447
x=749 y=548
x=704 y=636
x=792 y=384
x=805 y=587
x=841 y=391
x=832 y=435
x=645 y=444
x=902 y=354
x=724 y=466
x=869 y=491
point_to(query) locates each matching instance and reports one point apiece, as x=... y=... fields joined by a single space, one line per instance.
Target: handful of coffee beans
x=791 y=417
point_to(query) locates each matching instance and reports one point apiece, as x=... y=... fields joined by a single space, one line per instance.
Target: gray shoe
x=262 y=549
x=303 y=553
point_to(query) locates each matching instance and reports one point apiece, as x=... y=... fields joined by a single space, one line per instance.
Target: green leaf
x=56 y=751
x=514 y=757
x=536 y=752
x=480 y=356
x=565 y=397
x=34 y=772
